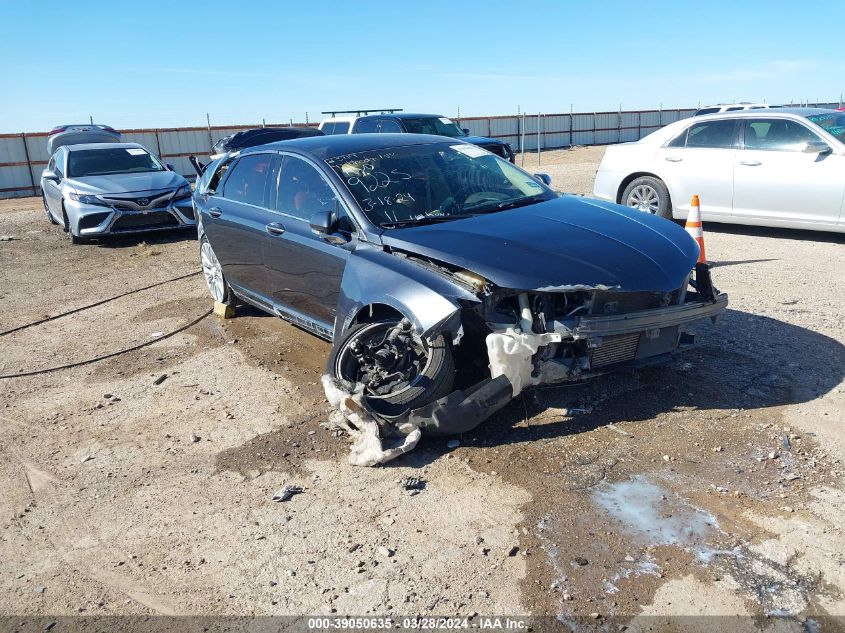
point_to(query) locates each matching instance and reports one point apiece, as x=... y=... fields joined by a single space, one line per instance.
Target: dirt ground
x=142 y=484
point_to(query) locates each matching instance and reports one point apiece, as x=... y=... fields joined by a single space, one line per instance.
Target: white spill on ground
x=648 y=515
x=646 y=510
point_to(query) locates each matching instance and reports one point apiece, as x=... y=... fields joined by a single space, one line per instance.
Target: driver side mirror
x=817 y=147
x=49 y=174
x=323 y=224
x=544 y=178
x=465 y=130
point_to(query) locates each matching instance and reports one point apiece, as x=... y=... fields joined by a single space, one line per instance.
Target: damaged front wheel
x=396 y=368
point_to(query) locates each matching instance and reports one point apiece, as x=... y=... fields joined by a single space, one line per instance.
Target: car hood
x=481 y=140
x=560 y=244
x=127 y=183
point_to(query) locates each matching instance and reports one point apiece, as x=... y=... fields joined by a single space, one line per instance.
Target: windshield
x=419 y=184
x=441 y=126
x=831 y=122
x=110 y=160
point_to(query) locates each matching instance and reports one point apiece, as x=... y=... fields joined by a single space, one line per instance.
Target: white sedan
x=780 y=167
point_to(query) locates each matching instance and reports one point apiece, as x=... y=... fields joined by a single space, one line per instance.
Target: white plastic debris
x=510 y=355
x=350 y=416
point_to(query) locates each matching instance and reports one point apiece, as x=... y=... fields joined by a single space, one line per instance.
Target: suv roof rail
x=360 y=112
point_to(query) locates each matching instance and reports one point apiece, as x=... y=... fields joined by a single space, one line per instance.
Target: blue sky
x=151 y=63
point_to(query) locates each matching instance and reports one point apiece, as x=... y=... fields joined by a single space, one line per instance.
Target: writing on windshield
x=437 y=181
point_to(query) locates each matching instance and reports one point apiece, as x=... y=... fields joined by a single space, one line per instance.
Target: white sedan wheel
x=212 y=272
x=645 y=198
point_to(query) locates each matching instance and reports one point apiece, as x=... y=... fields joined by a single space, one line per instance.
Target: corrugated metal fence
x=23 y=156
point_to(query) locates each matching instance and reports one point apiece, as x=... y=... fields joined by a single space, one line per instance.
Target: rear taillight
x=56 y=130
x=109 y=128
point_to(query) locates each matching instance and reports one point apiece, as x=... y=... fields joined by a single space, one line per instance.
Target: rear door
x=304 y=270
x=701 y=161
x=776 y=180
x=235 y=216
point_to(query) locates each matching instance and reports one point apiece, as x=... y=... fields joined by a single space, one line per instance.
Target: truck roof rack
x=360 y=112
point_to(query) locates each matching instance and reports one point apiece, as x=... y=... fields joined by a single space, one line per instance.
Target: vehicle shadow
x=745 y=362
x=157 y=237
x=778 y=233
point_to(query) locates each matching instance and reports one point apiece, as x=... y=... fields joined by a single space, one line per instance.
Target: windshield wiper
x=428 y=219
x=510 y=204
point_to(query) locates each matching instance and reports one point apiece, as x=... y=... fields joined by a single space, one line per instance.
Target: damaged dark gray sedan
x=448 y=279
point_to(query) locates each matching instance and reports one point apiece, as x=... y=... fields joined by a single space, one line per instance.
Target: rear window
x=335 y=127
x=708 y=134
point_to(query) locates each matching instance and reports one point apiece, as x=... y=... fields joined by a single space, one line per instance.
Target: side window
x=217 y=177
x=328 y=128
x=366 y=126
x=713 y=134
x=777 y=135
x=58 y=161
x=302 y=190
x=341 y=128
x=707 y=111
x=247 y=181
x=390 y=126
x=52 y=164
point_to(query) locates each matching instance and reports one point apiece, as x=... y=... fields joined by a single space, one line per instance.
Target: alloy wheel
x=212 y=272
x=644 y=198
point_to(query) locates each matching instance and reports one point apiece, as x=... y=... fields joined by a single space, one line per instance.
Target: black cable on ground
x=107 y=356
x=94 y=305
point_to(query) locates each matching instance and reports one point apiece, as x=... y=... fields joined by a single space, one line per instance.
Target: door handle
x=275 y=228
x=674 y=159
x=215 y=212
x=750 y=163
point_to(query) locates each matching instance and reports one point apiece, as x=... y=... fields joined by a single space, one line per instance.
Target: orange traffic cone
x=695 y=228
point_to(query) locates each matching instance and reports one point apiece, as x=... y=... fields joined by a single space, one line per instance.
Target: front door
x=701 y=161
x=776 y=180
x=51 y=189
x=303 y=270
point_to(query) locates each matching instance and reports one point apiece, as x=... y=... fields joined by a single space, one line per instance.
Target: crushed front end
x=552 y=335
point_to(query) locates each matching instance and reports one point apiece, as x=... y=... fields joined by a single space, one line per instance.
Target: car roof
x=324 y=147
x=73 y=148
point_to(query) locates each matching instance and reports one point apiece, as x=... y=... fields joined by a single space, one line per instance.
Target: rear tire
x=212 y=271
x=649 y=195
x=433 y=378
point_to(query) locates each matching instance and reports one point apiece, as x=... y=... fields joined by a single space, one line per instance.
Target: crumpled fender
x=428 y=299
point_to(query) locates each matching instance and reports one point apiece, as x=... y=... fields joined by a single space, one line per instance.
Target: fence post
x=571 y=124
x=29 y=164
x=489 y=129
x=158 y=143
x=522 y=141
x=639 y=125
x=538 y=139
x=619 y=125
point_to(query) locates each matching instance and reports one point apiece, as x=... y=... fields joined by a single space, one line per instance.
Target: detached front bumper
x=96 y=220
